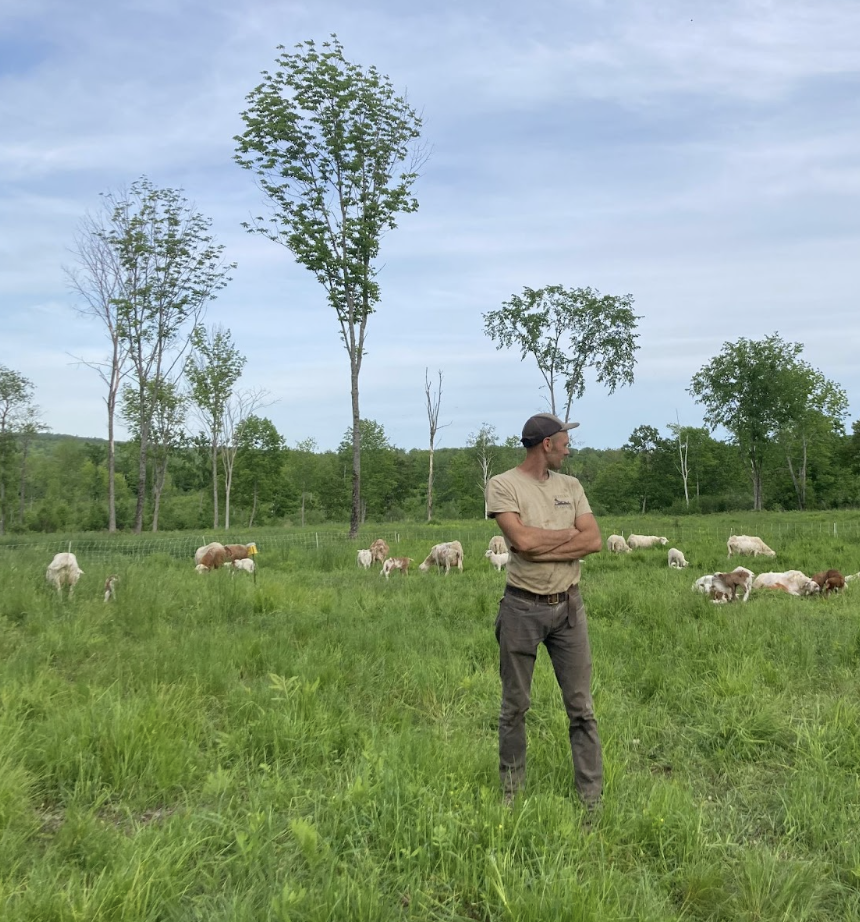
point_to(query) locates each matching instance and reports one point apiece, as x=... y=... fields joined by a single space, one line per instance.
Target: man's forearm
x=573 y=548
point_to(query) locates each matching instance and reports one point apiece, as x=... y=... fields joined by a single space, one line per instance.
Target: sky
x=702 y=157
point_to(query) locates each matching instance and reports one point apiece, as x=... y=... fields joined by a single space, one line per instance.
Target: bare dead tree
x=434 y=402
x=96 y=279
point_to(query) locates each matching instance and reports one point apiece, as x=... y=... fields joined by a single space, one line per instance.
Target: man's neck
x=535 y=468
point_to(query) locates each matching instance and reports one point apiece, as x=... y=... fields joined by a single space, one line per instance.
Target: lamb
x=617 y=545
x=746 y=544
x=246 y=564
x=448 y=554
x=794 y=582
x=725 y=586
x=378 y=550
x=720 y=589
x=497 y=545
x=364 y=558
x=242 y=551
x=829 y=580
x=676 y=558
x=395 y=563
x=498 y=560
x=635 y=541
x=211 y=557
x=110 y=588
x=63 y=570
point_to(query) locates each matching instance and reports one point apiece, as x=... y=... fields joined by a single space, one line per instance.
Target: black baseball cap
x=541 y=426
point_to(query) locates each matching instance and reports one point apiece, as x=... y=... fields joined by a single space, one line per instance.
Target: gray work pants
x=521 y=626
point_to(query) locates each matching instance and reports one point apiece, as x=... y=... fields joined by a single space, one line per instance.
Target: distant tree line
x=61 y=483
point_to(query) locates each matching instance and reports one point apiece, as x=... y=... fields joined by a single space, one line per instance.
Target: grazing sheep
x=676 y=558
x=110 y=588
x=242 y=551
x=63 y=570
x=379 y=550
x=364 y=558
x=448 y=554
x=617 y=545
x=212 y=556
x=829 y=580
x=395 y=563
x=748 y=544
x=794 y=582
x=497 y=545
x=498 y=560
x=635 y=541
x=201 y=552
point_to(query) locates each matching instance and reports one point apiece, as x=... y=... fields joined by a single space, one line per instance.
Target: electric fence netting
x=278 y=545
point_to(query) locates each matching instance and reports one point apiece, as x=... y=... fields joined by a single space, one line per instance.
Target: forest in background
x=59 y=484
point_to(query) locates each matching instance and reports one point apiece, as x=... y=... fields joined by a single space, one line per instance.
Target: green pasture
x=320 y=744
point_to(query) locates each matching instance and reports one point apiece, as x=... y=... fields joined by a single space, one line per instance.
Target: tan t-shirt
x=552 y=503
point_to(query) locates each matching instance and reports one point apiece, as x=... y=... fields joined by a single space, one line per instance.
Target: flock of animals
x=64 y=572
x=725 y=587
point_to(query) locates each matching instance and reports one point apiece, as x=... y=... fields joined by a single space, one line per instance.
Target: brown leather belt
x=555 y=599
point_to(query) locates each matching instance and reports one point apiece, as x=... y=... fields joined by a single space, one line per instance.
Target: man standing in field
x=548 y=527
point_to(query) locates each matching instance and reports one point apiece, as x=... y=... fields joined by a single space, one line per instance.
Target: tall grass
x=321 y=744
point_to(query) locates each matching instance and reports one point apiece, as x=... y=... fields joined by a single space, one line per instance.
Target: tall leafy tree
x=16 y=410
x=168 y=406
x=170 y=268
x=759 y=391
x=567 y=331
x=379 y=461
x=241 y=405
x=652 y=453
x=212 y=369
x=260 y=460
x=334 y=149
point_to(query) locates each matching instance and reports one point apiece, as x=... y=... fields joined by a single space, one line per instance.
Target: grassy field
x=321 y=744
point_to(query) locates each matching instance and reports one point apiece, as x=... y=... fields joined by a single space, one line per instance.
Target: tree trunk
x=253 y=507
x=214 y=447
x=25 y=447
x=159 y=477
x=355 y=516
x=111 y=405
x=141 y=476
x=430 y=486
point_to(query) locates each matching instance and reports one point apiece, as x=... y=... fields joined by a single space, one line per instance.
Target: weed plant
x=320 y=744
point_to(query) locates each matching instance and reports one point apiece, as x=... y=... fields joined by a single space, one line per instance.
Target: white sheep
x=63 y=570
x=676 y=558
x=498 y=560
x=246 y=564
x=364 y=558
x=497 y=544
x=635 y=541
x=448 y=554
x=617 y=545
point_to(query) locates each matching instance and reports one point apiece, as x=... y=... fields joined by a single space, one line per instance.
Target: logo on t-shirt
x=561 y=501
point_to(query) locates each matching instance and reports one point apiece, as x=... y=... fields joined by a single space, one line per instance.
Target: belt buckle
x=553 y=599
